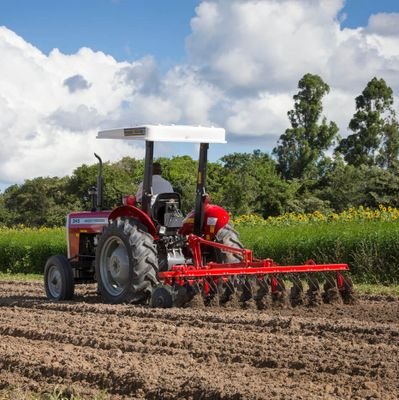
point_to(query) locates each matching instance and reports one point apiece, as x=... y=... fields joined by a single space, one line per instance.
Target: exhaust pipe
x=100 y=183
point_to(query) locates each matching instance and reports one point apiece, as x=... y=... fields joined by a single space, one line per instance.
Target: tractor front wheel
x=58 y=279
x=126 y=262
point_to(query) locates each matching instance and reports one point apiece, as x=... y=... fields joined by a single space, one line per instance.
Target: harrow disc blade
x=331 y=293
x=247 y=292
x=233 y=293
x=226 y=291
x=238 y=291
x=212 y=294
x=296 y=293
x=261 y=297
x=278 y=291
x=345 y=287
x=313 y=295
x=185 y=294
x=163 y=296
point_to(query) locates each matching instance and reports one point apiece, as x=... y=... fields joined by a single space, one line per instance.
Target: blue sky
x=125 y=29
x=129 y=29
x=358 y=11
x=176 y=61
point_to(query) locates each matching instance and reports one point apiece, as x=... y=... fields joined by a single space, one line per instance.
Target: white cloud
x=263 y=115
x=245 y=58
x=256 y=51
x=384 y=24
x=192 y=95
x=258 y=45
x=46 y=128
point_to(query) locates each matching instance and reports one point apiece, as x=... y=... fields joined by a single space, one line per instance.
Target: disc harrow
x=250 y=281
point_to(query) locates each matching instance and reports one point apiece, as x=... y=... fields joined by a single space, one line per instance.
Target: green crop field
x=370 y=249
x=368 y=240
x=25 y=250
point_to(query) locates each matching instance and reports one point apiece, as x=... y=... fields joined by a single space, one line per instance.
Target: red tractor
x=151 y=253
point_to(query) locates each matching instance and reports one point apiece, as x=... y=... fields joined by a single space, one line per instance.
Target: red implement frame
x=247 y=266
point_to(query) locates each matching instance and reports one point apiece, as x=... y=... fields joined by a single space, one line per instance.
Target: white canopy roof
x=167 y=133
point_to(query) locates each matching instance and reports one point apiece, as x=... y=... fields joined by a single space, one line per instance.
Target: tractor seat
x=166 y=210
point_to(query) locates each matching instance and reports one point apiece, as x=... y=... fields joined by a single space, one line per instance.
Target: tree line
x=311 y=168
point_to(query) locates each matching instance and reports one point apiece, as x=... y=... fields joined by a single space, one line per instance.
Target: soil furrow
x=327 y=352
x=252 y=322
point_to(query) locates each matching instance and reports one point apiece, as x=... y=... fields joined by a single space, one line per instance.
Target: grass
x=7 y=276
x=366 y=288
x=17 y=393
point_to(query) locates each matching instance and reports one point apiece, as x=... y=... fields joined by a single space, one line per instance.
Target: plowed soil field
x=129 y=352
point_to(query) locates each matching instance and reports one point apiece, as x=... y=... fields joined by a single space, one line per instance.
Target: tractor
x=148 y=252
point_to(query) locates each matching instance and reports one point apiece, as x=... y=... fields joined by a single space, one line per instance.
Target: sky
x=71 y=68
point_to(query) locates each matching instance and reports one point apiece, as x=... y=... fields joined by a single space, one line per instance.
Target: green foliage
x=377 y=289
x=39 y=201
x=375 y=140
x=120 y=178
x=9 y=276
x=308 y=203
x=301 y=147
x=251 y=184
x=349 y=186
x=4 y=213
x=389 y=150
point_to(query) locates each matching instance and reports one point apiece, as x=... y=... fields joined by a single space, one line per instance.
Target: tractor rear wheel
x=126 y=262
x=228 y=290
x=229 y=237
x=58 y=279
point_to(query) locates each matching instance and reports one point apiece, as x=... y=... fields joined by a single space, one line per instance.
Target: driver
x=159 y=184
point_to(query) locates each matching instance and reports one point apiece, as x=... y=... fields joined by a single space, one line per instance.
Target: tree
x=301 y=147
x=120 y=178
x=38 y=201
x=4 y=214
x=347 y=186
x=251 y=184
x=389 y=151
x=375 y=140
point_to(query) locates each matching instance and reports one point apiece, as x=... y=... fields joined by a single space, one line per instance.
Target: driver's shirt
x=159 y=185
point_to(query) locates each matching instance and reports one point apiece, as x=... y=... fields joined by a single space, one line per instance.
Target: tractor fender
x=134 y=212
x=215 y=218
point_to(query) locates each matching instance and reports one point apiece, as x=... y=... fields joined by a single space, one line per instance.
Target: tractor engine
x=166 y=212
x=170 y=251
